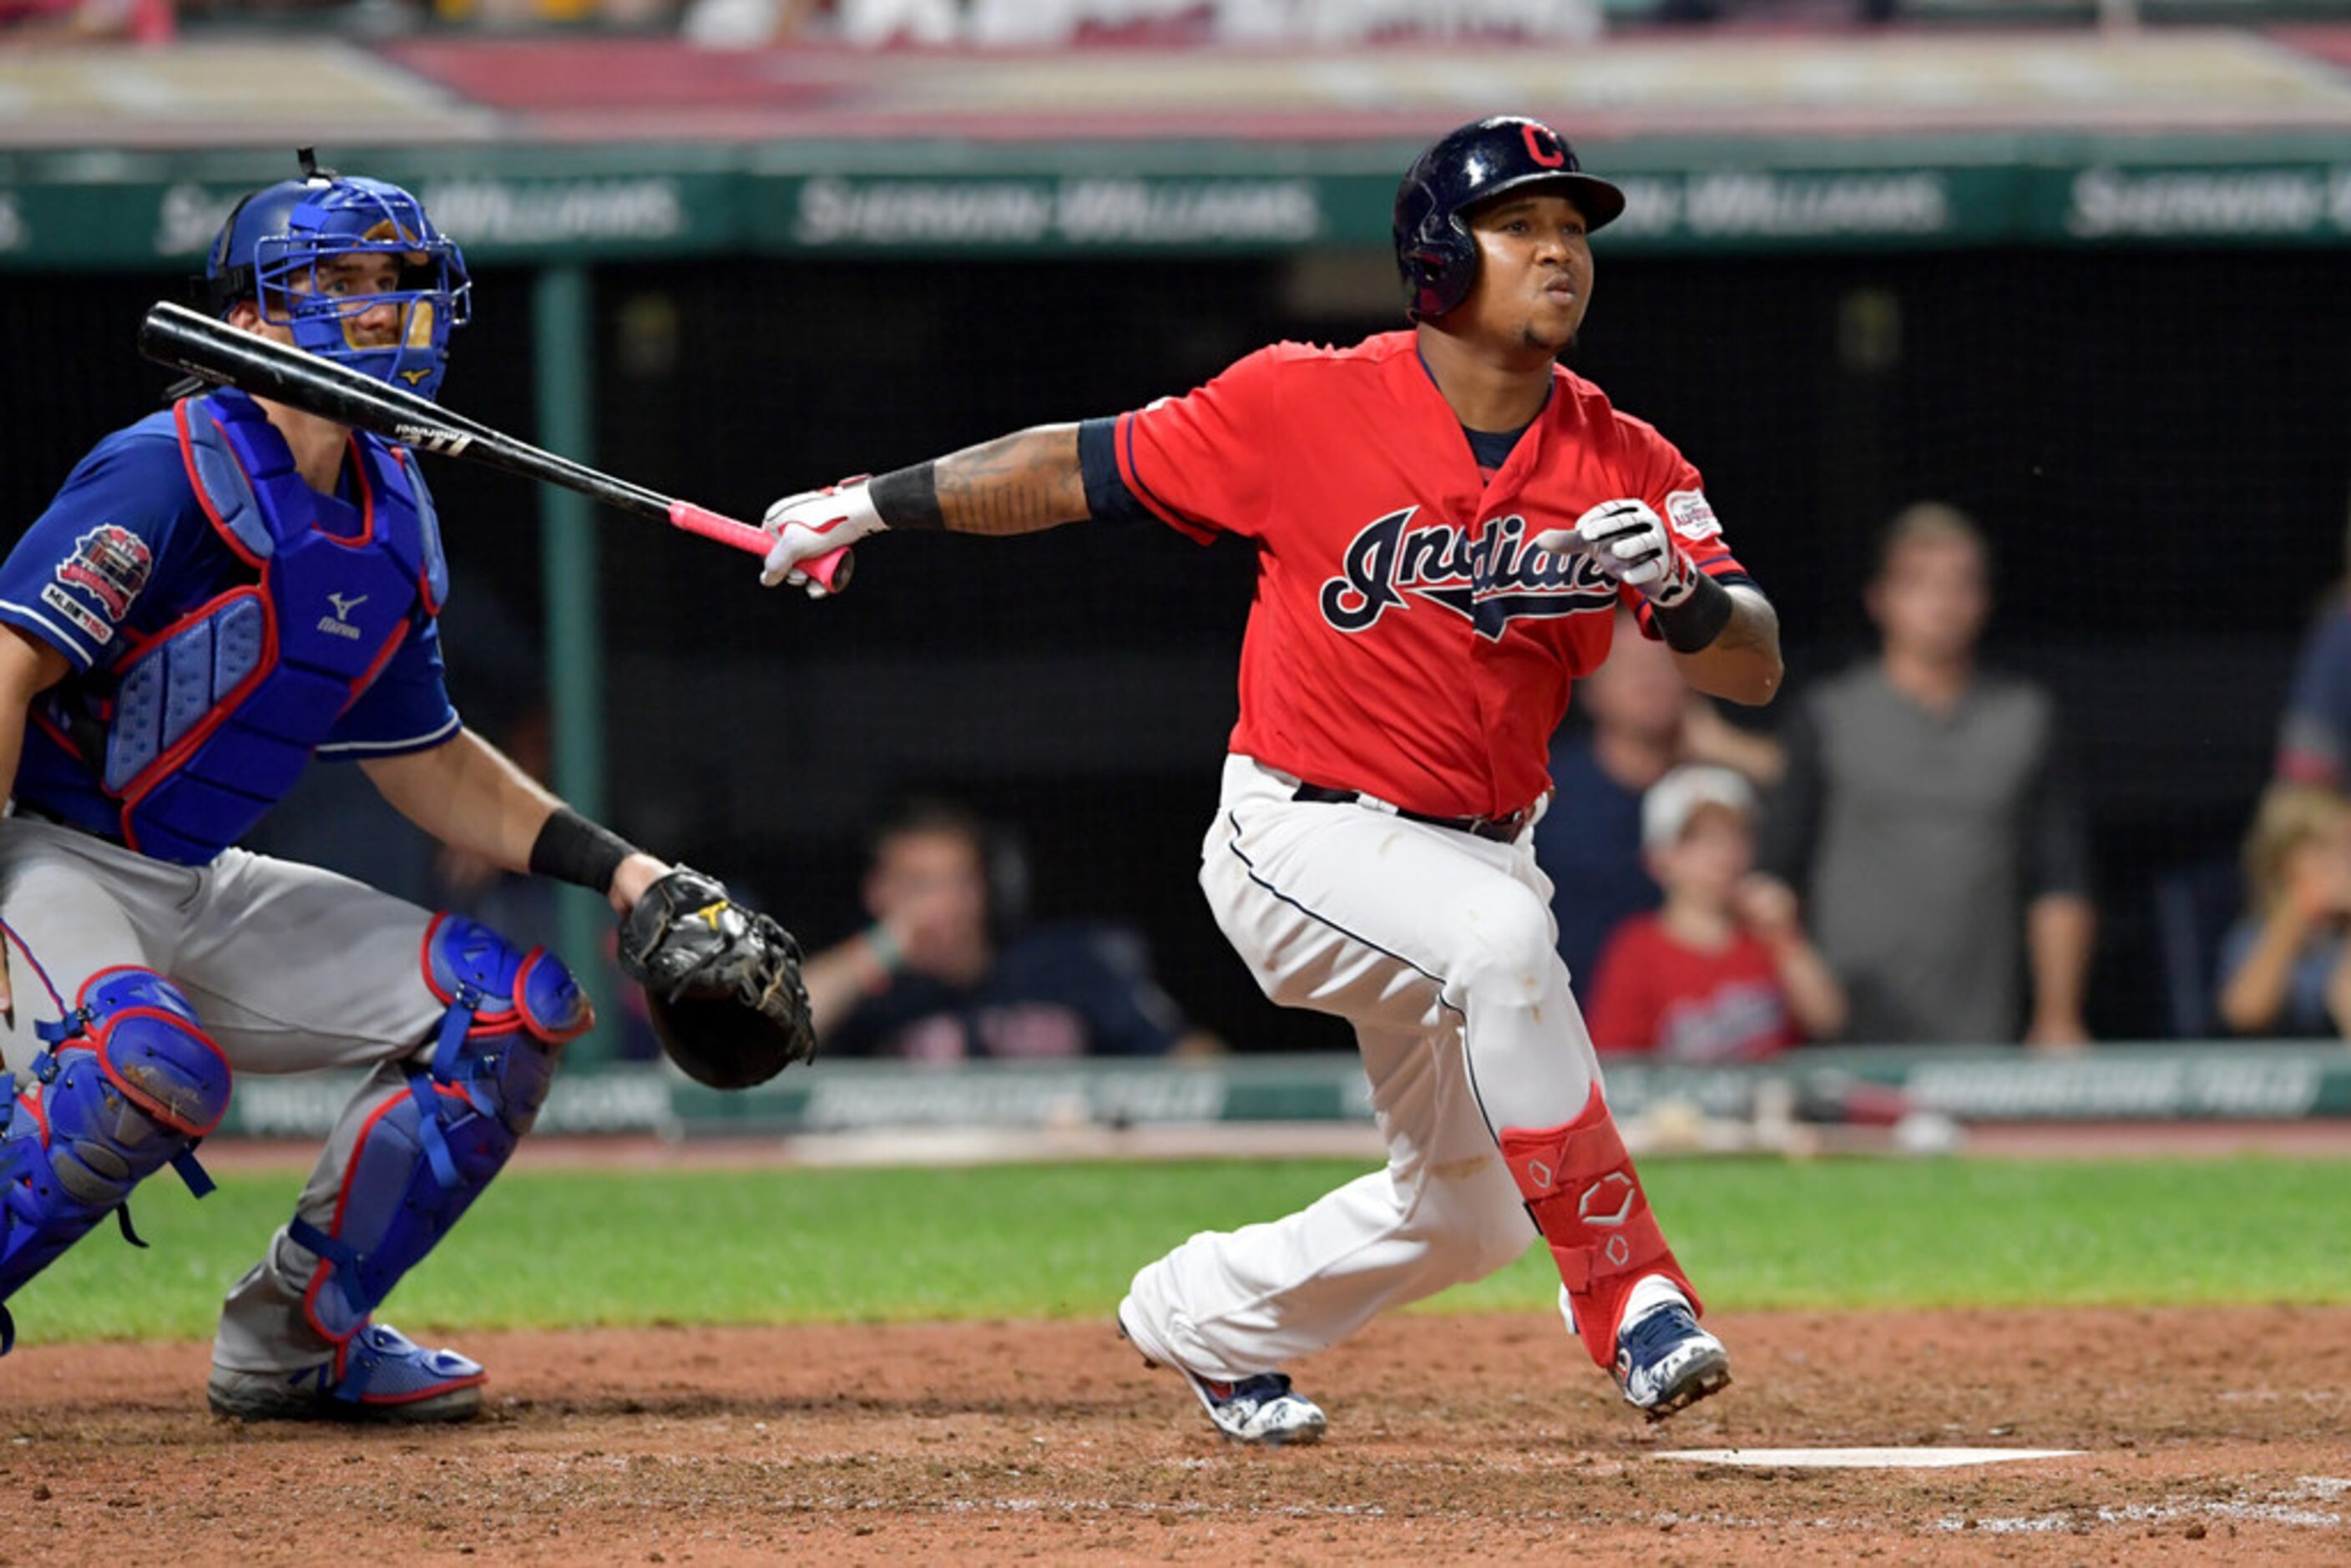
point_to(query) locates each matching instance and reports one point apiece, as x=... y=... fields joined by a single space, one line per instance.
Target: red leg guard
x=1580 y=1185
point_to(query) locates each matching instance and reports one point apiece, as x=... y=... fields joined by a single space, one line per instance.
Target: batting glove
x=815 y=523
x=1630 y=543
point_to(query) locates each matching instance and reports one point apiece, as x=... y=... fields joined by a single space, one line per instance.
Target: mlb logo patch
x=1691 y=516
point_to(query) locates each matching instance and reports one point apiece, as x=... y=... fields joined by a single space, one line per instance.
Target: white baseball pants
x=1438 y=946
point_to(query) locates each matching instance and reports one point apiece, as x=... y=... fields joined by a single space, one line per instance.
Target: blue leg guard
x=423 y=1156
x=129 y=1085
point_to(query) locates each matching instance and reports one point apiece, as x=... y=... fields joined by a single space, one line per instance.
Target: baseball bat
x=214 y=350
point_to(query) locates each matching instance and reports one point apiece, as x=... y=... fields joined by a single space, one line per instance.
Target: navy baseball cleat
x=1664 y=1361
x=379 y=1375
x=1263 y=1410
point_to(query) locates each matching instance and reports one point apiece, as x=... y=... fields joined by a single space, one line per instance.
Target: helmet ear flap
x=1439 y=268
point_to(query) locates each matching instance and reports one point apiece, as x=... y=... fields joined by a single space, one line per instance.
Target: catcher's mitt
x=722 y=982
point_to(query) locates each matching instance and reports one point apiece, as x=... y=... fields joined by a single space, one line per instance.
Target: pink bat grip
x=830 y=568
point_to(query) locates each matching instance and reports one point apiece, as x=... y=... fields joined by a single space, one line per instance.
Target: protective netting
x=2158 y=442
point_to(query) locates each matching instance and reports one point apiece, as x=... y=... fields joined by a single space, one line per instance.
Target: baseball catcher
x=219 y=593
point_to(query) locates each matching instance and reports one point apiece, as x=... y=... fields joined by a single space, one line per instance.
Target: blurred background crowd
x=1032 y=24
x=2055 y=531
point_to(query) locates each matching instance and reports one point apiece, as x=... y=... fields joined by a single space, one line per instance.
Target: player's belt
x=1501 y=830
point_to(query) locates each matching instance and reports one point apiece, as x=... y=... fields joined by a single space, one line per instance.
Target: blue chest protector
x=187 y=735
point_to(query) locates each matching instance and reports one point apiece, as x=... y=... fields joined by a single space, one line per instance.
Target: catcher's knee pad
x=129 y=1084
x=423 y=1156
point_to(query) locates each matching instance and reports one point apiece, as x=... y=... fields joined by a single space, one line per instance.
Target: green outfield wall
x=522 y=203
x=2248 y=1083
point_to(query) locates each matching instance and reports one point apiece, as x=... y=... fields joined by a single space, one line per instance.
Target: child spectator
x=1643 y=722
x=2287 y=965
x=1722 y=971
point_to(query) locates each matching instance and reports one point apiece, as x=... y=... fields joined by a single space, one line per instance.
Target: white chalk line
x=1909 y=1458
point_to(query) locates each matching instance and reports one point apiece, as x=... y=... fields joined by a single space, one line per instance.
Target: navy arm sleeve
x=1107 y=498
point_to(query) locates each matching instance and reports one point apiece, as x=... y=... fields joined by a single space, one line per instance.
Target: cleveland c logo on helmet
x=1436 y=255
x=281 y=248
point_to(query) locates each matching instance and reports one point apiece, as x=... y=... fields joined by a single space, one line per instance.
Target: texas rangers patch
x=110 y=564
x=1691 y=516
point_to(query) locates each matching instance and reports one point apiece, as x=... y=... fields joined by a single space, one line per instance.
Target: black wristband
x=1696 y=620
x=907 y=497
x=570 y=848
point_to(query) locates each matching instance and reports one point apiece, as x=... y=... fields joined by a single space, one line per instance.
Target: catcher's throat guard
x=722 y=982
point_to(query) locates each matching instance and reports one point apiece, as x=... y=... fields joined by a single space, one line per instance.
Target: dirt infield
x=2209 y=1437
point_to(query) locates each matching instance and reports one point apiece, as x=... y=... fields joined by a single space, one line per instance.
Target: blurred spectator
x=25 y=22
x=522 y=15
x=2314 y=737
x=2286 y=968
x=1929 y=817
x=1644 y=721
x=1048 y=24
x=945 y=971
x=1722 y=972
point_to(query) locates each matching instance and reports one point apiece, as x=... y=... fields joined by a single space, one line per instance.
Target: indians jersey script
x=1408 y=639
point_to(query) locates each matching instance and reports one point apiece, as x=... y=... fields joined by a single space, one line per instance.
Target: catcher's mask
x=276 y=240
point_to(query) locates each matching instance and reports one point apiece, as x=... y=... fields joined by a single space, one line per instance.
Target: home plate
x=1863 y=1458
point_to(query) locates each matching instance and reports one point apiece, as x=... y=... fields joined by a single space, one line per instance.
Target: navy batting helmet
x=1435 y=253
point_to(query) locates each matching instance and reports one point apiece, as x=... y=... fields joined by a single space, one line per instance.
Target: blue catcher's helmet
x=1435 y=252
x=278 y=239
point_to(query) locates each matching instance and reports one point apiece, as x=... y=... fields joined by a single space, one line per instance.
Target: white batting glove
x=1630 y=543
x=815 y=523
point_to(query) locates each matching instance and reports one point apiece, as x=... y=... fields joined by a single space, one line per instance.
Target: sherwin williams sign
x=590 y=203
x=1078 y=212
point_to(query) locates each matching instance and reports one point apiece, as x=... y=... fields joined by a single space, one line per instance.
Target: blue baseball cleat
x=379 y=1375
x=1665 y=1361
x=1263 y=1410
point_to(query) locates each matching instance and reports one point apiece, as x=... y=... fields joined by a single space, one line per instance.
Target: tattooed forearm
x=1753 y=627
x=1742 y=664
x=1017 y=485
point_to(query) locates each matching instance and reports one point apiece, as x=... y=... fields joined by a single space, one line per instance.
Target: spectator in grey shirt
x=1929 y=816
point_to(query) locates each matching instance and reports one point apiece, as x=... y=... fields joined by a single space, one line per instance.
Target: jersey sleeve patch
x=93 y=588
x=1690 y=515
x=94 y=629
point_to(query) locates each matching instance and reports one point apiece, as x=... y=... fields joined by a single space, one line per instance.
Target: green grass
x=571 y=1248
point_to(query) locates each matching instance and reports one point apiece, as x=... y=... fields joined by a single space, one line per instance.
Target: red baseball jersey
x=1652 y=993
x=1407 y=640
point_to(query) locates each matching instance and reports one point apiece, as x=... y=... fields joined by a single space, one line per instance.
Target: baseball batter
x=1445 y=522
x=221 y=592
